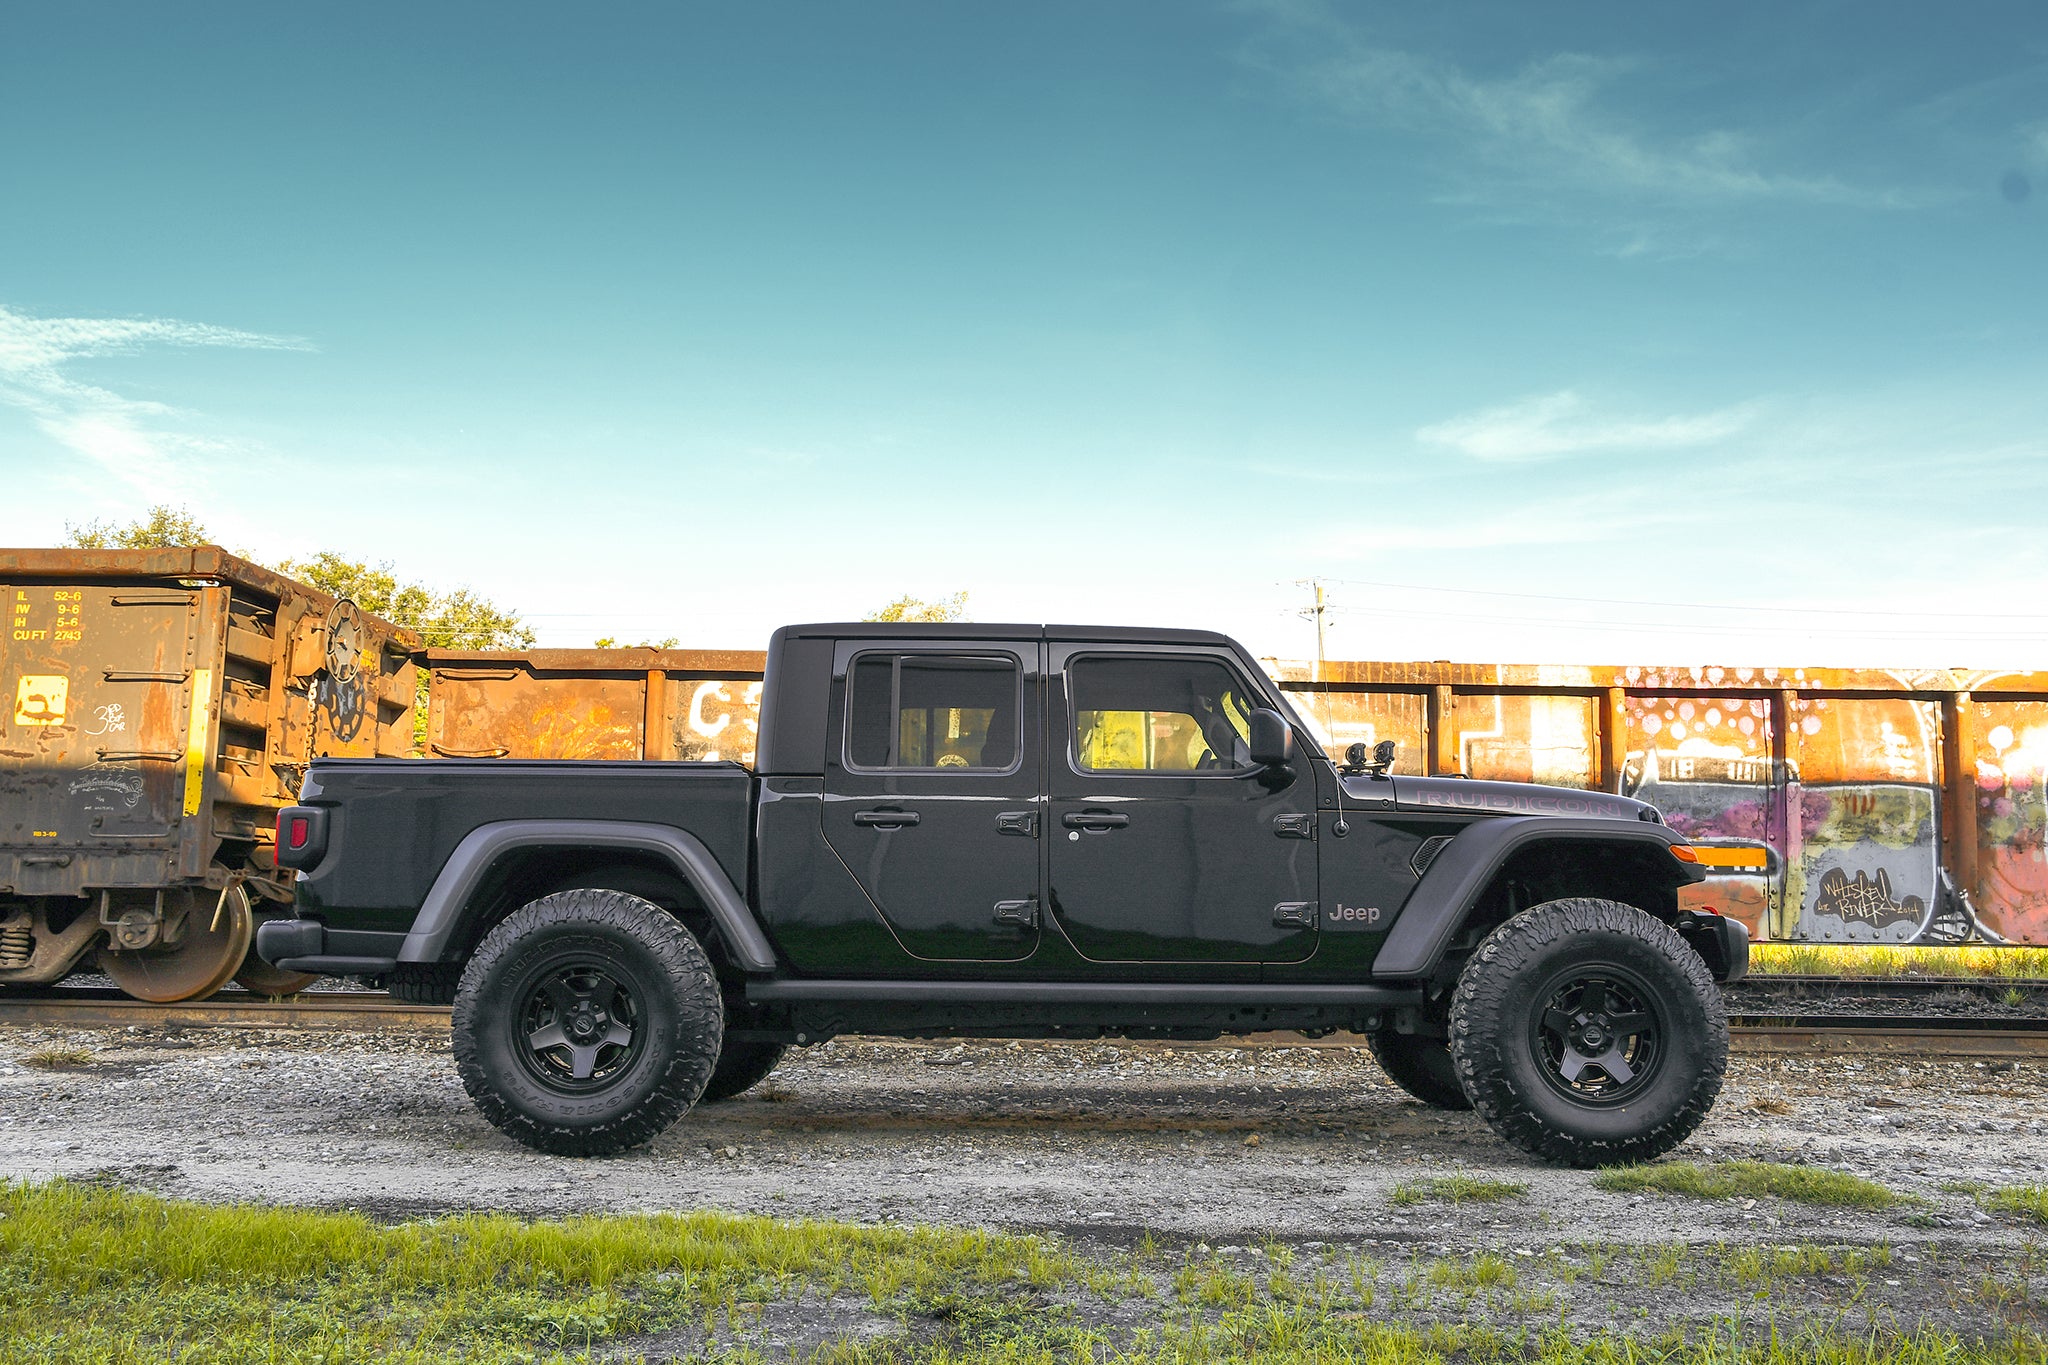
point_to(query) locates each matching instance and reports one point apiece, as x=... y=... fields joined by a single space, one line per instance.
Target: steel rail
x=1765 y=1033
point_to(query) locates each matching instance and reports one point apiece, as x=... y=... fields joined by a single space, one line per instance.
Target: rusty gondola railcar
x=161 y=704
x=639 y=703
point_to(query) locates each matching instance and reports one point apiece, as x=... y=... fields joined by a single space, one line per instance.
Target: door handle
x=1024 y=822
x=885 y=819
x=1020 y=914
x=1095 y=819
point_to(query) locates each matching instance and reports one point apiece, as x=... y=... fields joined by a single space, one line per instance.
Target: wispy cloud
x=1564 y=423
x=138 y=441
x=1556 y=127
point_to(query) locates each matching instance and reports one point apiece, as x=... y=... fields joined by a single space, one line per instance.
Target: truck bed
x=413 y=814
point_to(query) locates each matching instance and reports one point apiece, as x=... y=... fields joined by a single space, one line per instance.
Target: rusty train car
x=594 y=703
x=1845 y=806
x=161 y=705
x=1837 y=805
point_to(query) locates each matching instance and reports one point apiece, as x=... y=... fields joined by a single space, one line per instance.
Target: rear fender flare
x=1437 y=907
x=441 y=915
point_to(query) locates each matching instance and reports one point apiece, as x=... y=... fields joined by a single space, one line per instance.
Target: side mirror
x=1272 y=739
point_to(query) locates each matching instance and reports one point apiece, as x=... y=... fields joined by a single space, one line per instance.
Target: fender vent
x=1426 y=854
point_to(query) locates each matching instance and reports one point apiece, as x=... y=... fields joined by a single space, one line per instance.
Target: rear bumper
x=307 y=945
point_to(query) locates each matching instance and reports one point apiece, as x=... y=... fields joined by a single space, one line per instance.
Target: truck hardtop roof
x=976 y=630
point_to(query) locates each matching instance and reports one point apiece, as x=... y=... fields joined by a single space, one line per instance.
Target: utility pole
x=1320 y=614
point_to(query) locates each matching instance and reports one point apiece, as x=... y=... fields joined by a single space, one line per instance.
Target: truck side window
x=932 y=711
x=1159 y=715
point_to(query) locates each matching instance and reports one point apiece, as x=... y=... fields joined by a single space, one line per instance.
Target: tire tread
x=700 y=1019
x=1477 y=1033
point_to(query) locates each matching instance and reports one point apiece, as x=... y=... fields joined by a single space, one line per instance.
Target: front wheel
x=587 y=1022
x=1589 y=1034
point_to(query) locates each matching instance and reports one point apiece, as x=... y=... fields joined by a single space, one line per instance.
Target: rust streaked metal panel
x=1891 y=806
x=160 y=704
x=594 y=703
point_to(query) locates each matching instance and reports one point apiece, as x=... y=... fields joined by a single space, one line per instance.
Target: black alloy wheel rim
x=1598 y=1035
x=578 y=1026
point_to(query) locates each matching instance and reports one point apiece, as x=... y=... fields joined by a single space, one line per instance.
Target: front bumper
x=1721 y=942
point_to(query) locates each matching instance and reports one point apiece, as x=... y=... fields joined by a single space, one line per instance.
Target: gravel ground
x=1095 y=1140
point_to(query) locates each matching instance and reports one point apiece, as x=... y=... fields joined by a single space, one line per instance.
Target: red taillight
x=301 y=830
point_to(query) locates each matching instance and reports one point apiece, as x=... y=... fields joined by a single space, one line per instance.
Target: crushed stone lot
x=1305 y=1153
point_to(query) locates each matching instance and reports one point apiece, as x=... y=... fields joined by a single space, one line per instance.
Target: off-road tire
x=741 y=1067
x=424 y=983
x=664 y=993
x=1421 y=1066
x=1503 y=1045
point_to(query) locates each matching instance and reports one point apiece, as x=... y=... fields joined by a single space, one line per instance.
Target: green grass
x=58 y=1058
x=1455 y=1189
x=1879 y=960
x=1751 y=1179
x=97 y=1276
x=2026 y=1201
x=92 y=1274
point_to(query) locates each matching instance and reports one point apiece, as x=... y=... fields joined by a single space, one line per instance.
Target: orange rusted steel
x=1887 y=806
x=160 y=706
x=594 y=703
x=1855 y=805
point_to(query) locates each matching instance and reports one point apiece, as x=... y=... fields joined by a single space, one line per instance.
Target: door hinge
x=1024 y=822
x=1295 y=914
x=1296 y=826
x=1021 y=914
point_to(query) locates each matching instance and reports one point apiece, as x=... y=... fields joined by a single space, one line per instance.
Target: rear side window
x=932 y=711
x=1159 y=715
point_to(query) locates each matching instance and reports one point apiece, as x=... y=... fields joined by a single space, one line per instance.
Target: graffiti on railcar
x=716 y=719
x=2008 y=771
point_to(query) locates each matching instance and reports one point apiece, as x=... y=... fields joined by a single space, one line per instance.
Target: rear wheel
x=1587 y=1033
x=741 y=1067
x=1420 y=1066
x=424 y=983
x=587 y=1022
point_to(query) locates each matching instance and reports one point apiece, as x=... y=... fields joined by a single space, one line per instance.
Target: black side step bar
x=787 y=989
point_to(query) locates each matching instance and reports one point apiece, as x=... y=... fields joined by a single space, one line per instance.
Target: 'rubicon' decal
x=1535 y=803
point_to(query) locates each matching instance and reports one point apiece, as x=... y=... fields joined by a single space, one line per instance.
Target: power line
x=1671 y=627
x=1688 y=606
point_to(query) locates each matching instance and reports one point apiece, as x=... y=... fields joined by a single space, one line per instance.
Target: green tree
x=908 y=608
x=450 y=620
x=162 y=527
x=608 y=642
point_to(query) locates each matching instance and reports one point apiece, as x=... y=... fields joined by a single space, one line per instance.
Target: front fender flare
x=441 y=914
x=1438 y=905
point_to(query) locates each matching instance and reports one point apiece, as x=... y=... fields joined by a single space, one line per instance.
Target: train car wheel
x=208 y=937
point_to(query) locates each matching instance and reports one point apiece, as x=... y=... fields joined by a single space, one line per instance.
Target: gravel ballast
x=1102 y=1140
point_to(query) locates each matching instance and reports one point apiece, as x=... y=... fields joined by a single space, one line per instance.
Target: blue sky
x=688 y=320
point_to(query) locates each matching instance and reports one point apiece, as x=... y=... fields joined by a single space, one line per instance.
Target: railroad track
x=1772 y=1032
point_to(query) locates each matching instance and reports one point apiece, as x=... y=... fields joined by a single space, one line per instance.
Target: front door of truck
x=932 y=794
x=1167 y=843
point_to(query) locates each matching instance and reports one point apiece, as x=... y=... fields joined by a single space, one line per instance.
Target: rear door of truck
x=933 y=790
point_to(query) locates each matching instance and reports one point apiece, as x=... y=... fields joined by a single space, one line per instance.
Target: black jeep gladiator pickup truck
x=1005 y=831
